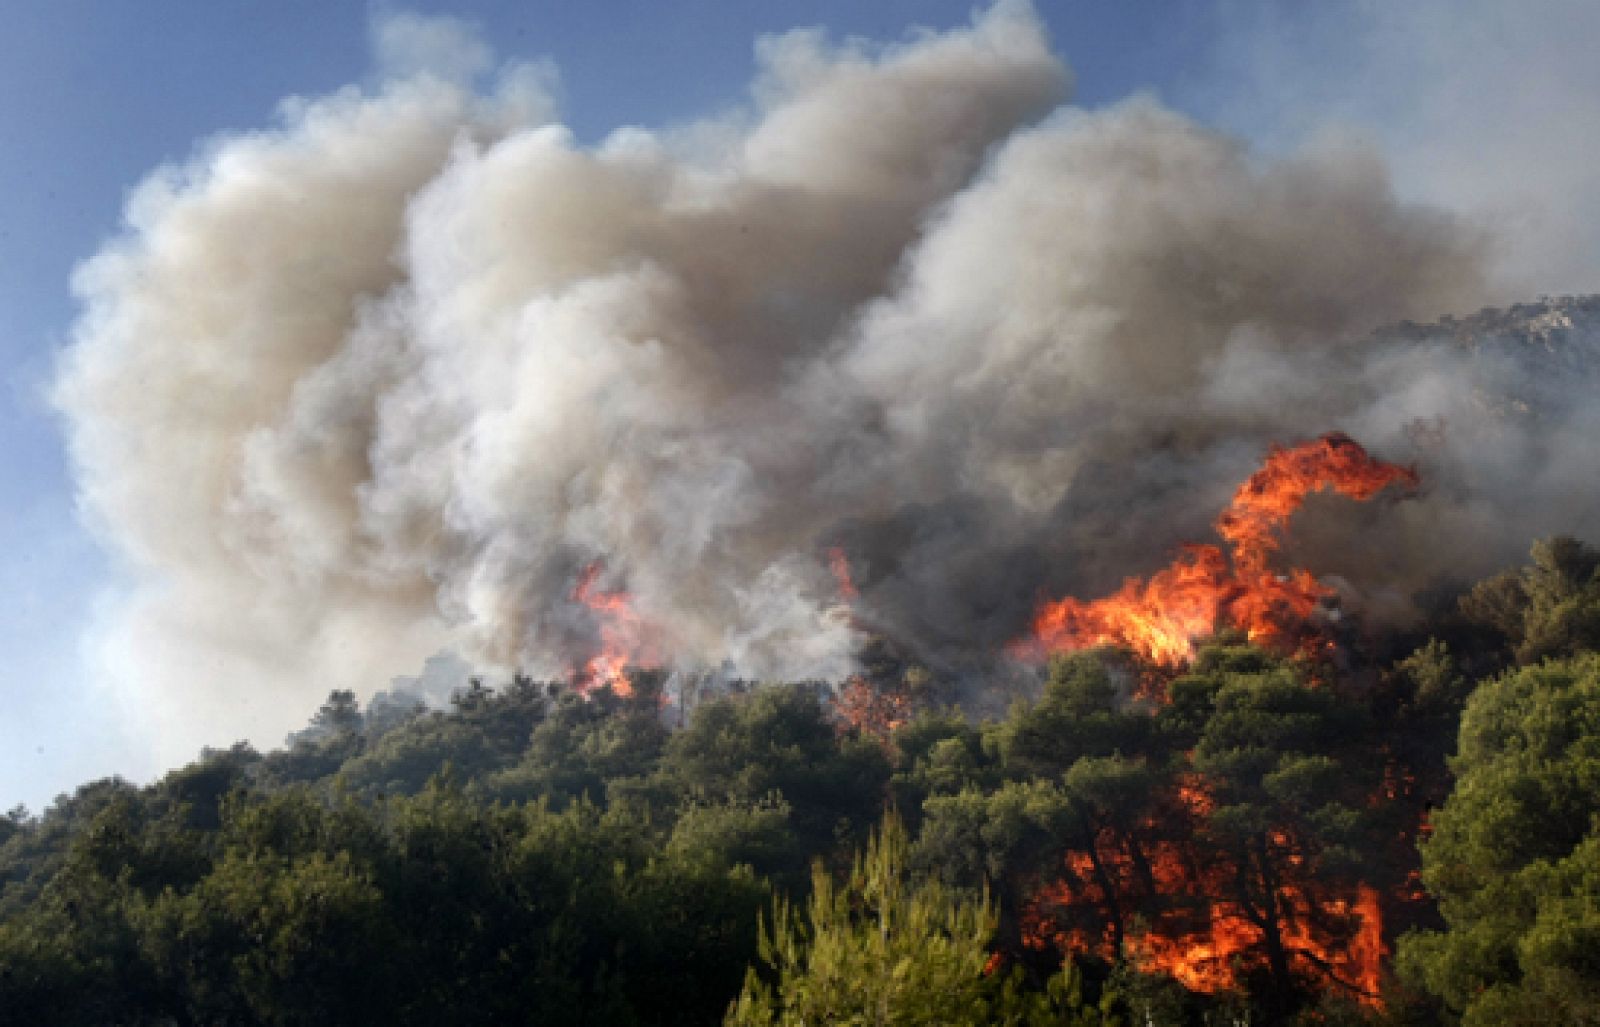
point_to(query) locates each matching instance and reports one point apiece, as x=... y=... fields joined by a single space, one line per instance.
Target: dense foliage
x=1210 y=846
x=885 y=949
x=1515 y=854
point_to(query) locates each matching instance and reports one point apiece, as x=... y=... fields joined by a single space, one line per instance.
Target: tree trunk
x=1141 y=864
x=1108 y=887
x=1282 y=995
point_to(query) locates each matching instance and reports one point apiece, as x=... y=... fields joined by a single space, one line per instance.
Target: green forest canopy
x=528 y=855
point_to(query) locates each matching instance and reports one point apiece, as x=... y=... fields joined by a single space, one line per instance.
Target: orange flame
x=1160 y=618
x=1196 y=935
x=839 y=564
x=624 y=640
x=1209 y=959
x=1368 y=951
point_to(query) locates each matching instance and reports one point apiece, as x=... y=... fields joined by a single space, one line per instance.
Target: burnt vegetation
x=1403 y=838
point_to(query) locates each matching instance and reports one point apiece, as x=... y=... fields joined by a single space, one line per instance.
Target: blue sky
x=99 y=94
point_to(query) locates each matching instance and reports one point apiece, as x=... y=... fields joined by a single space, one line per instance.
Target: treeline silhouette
x=528 y=855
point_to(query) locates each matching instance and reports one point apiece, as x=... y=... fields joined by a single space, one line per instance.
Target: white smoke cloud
x=384 y=380
x=407 y=45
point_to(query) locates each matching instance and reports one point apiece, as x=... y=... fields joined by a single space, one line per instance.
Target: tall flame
x=839 y=564
x=1161 y=617
x=624 y=640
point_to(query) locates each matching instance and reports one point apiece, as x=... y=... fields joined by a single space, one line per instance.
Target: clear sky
x=97 y=94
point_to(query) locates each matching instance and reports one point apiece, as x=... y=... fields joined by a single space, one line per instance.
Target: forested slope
x=1253 y=837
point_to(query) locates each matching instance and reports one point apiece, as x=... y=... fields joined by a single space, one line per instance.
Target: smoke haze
x=384 y=380
x=1478 y=105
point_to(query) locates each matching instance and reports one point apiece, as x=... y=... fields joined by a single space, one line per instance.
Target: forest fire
x=846 y=540
x=1203 y=589
x=1197 y=925
x=623 y=636
x=864 y=703
x=1165 y=890
x=1215 y=911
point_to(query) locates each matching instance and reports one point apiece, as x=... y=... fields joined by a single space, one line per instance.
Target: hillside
x=1240 y=834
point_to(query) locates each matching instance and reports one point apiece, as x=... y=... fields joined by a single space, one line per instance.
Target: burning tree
x=1283 y=777
x=624 y=639
x=1221 y=839
x=1216 y=832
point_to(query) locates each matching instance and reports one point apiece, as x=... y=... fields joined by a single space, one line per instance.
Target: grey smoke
x=381 y=381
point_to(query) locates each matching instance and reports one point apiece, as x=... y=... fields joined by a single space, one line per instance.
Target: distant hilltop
x=1563 y=327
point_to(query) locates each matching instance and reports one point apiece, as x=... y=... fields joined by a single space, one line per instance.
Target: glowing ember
x=872 y=711
x=623 y=637
x=1160 y=618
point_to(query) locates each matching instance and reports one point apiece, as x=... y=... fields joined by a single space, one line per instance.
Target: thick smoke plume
x=386 y=379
